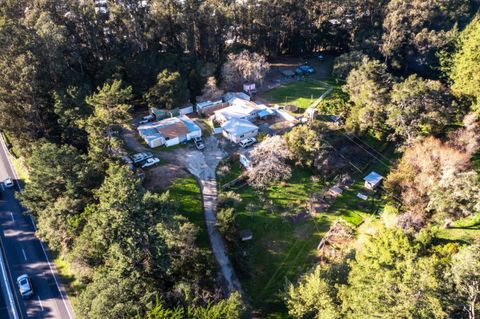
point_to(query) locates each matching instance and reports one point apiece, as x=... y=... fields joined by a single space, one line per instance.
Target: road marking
x=11 y=216
x=24 y=255
x=7 y=286
x=62 y=293
x=41 y=305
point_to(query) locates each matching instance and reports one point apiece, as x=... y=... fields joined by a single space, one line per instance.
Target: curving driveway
x=202 y=165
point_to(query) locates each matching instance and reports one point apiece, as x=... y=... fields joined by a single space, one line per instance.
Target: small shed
x=373 y=180
x=246 y=235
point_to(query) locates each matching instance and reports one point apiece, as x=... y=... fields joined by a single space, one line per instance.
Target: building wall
x=236 y=139
x=172 y=142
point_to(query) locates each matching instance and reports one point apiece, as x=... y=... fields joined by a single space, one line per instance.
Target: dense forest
x=74 y=71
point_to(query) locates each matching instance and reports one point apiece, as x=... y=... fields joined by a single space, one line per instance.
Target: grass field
x=282 y=246
x=299 y=93
x=186 y=193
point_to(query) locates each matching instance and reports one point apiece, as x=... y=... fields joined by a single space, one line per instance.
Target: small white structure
x=169 y=132
x=245 y=159
x=362 y=196
x=373 y=180
x=239 y=129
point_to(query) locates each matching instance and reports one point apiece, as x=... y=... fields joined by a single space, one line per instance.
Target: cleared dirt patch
x=159 y=178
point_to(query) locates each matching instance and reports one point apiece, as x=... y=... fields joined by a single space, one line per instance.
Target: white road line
x=11 y=216
x=53 y=273
x=62 y=294
x=24 y=254
x=7 y=286
x=41 y=305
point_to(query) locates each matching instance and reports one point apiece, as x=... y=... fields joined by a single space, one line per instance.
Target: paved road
x=25 y=254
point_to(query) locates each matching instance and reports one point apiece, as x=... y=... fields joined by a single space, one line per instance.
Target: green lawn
x=281 y=247
x=298 y=93
x=463 y=230
x=186 y=193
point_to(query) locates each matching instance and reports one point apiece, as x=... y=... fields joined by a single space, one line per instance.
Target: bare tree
x=211 y=92
x=434 y=179
x=269 y=162
x=244 y=67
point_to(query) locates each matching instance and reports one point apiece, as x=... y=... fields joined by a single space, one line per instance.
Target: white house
x=238 y=129
x=239 y=109
x=373 y=180
x=169 y=132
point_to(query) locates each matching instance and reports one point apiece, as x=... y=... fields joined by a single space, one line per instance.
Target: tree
x=414 y=30
x=314 y=296
x=465 y=63
x=347 y=62
x=227 y=224
x=58 y=189
x=391 y=278
x=110 y=109
x=111 y=295
x=243 y=67
x=369 y=87
x=304 y=143
x=230 y=308
x=433 y=179
x=465 y=273
x=170 y=91
x=418 y=107
x=268 y=162
x=211 y=92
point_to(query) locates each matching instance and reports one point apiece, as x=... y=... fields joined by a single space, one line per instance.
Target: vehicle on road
x=140 y=157
x=150 y=162
x=247 y=142
x=199 y=143
x=320 y=57
x=8 y=182
x=25 y=286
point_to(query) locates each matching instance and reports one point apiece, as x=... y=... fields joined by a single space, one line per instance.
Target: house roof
x=174 y=130
x=373 y=178
x=238 y=126
x=266 y=112
x=168 y=128
x=239 y=108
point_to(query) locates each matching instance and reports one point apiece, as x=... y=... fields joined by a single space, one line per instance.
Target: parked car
x=146 y=119
x=247 y=142
x=199 y=143
x=306 y=69
x=149 y=117
x=150 y=162
x=320 y=57
x=8 y=182
x=140 y=157
x=25 y=286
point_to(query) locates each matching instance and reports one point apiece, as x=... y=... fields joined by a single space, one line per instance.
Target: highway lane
x=25 y=254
